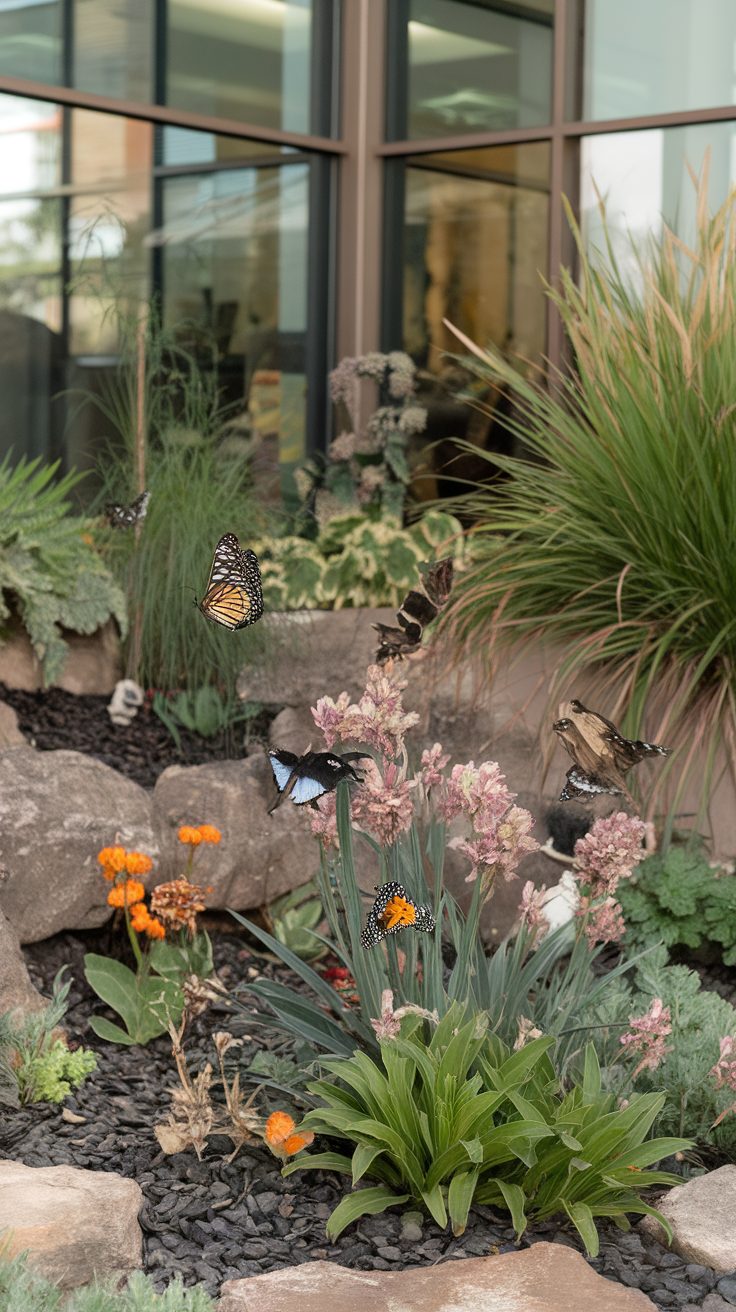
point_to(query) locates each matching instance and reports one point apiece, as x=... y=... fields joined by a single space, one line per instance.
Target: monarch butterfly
x=233 y=597
x=600 y=753
x=128 y=516
x=416 y=610
x=392 y=911
x=305 y=778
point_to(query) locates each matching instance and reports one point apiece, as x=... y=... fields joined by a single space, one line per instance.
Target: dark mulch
x=53 y=719
x=212 y=1221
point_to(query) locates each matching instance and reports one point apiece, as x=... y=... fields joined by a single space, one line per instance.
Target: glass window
x=30 y=40
x=113 y=48
x=657 y=57
x=475 y=67
x=475 y=231
x=642 y=178
x=241 y=59
x=234 y=269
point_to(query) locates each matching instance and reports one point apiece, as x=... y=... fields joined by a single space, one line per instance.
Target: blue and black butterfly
x=392 y=911
x=305 y=778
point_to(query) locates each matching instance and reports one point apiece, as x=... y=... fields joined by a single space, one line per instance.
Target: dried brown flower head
x=178 y=903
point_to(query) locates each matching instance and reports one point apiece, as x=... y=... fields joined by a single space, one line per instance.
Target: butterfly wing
x=234 y=594
x=606 y=742
x=377 y=926
x=306 y=789
x=581 y=786
x=437 y=579
x=126 y=516
x=282 y=763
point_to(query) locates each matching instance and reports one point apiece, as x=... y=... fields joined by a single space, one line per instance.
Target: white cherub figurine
x=126 y=699
x=559 y=904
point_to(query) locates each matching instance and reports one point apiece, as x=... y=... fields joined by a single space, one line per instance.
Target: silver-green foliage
x=461 y=1119
x=34 y=1065
x=24 y=1290
x=48 y=572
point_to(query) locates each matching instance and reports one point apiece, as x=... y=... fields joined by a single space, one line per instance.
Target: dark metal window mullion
x=65 y=210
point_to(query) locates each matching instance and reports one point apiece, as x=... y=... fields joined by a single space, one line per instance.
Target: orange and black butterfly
x=601 y=754
x=234 y=594
x=392 y=911
x=416 y=610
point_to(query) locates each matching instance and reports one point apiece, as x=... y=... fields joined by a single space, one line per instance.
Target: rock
x=260 y=857
x=727 y=1289
x=92 y=666
x=76 y=1225
x=702 y=1214
x=294 y=729
x=314 y=653
x=543 y=1278
x=57 y=809
x=16 y=990
x=714 y=1303
x=10 y=734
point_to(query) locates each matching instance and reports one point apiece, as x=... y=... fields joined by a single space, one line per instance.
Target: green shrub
x=699 y=1018
x=49 y=572
x=612 y=535
x=677 y=899
x=34 y=1065
x=24 y=1290
x=461 y=1119
x=355 y=561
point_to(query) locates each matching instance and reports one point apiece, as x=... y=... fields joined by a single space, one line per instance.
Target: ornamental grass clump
x=613 y=534
x=169 y=951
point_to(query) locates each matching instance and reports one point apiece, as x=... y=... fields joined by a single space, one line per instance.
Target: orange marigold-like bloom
x=130 y=893
x=188 y=834
x=137 y=863
x=144 y=923
x=112 y=859
x=178 y=903
x=278 y=1128
x=210 y=833
x=154 y=928
x=296 y=1142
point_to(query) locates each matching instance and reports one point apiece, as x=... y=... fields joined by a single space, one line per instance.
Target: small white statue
x=126 y=700
x=560 y=903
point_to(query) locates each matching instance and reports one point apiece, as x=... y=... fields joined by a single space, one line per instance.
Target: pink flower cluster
x=433 y=763
x=501 y=832
x=607 y=854
x=383 y=804
x=647 y=1036
x=388 y=1025
x=530 y=908
x=378 y=718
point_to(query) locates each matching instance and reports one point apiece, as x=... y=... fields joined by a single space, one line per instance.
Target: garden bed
x=212 y=1220
x=52 y=719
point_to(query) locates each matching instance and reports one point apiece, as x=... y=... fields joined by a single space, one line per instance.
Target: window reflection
x=476 y=67
x=30 y=40
x=642 y=177
x=661 y=56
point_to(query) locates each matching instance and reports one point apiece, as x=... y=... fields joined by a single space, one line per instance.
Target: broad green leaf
x=582 y=1218
x=319 y=1162
x=435 y=1204
x=363 y=1157
x=473 y=1148
x=115 y=984
x=515 y=1200
x=459 y=1198
x=105 y=1029
x=365 y=1202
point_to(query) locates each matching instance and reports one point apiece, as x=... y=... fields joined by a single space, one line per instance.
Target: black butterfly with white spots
x=305 y=778
x=128 y=516
x=392 y=911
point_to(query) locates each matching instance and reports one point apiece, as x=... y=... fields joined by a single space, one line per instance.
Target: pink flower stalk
x=499 y=848
x=378 y=719
x=647 y=1036
x=433 y=763
x=609 y=852
x=605 y=920
x=323 y=821
x=530 y=908
x=383 y=804
x=388 y=1025
x=481 y=794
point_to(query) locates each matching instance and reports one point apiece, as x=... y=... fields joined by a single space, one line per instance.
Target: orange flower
x=112 y=859
x=278 y=1128
x=137 y=863
x=130 y=893
x=188 y=834
x=210 y=834
x=143 y=923
x=154 y=928
x=296 y=1142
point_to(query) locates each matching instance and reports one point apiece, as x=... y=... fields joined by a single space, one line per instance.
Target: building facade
x=292 y=181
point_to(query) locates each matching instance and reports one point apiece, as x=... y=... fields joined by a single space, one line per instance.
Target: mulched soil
x=211 y=1221
x=53 y=719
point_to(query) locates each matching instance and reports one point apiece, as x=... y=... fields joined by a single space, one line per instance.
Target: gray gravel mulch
x=212 y=1221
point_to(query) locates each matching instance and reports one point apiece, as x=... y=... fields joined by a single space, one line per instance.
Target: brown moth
x=416 y=610
x=601 y=755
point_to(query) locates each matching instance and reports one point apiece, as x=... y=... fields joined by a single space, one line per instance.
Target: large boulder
x=93 y=664
x=76 y=1225
x=314 y=653
x=57 y=809
x=17 y=993
x=260 y=857
x=543 y=1278
x=702 y=1214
